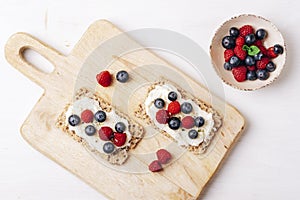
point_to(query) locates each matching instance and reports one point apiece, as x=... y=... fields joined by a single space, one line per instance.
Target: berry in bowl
x=248 y=52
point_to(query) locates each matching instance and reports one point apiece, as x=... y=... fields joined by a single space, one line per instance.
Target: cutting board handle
x=14 y=53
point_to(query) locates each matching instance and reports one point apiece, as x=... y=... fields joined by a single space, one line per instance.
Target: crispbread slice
x=140 y=112
x=120 y=155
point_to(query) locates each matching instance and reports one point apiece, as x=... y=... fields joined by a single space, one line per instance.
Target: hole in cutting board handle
x=37 y=61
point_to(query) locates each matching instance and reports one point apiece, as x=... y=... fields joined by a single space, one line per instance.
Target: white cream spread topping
x=111 y=119
x=180 y=135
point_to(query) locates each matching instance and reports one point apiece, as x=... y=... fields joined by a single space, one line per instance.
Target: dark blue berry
x=261 y=34
x=90 y=130
x=186 y=108
x=122 y=76
x=100 y=116
x=227 y=66
x=228 y=42
x=234 y=61
x=159 y=103
x=199 y=121
x=234 y=32
x=249 y=61
x=271 y=66
x=74 y=120
x=193 y=134
x=250 y=39
x=251 y=75
x=108 y=147
x=174 y=123
x=172 y=96
x=278 y=49
x=258 y=56
x=120 y=127
x=262 y=74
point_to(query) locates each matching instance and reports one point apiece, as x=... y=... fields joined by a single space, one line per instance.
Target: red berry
x=271 y=53
x=155 y=166
x=87 y=116
x=188 y=122
x=162 y=116
x=240 y=41
x=228 y=53
x=245 y=30
x=261 y=64
x=239 y=73
x=104 y=78
x=119 y=139
x=240 y=53
x=174 y=107
x=163 y=156
x=105 y=133
x=263 y=50
x=251 y=68
x=258 y=43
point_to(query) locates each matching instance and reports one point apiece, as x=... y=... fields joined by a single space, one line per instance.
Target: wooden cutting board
x=183 y=179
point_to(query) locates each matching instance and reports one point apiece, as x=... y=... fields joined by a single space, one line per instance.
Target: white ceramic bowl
x=217 y=50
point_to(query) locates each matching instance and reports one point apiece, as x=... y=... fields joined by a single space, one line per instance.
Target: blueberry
x=258 y=56
x=251 y=75
x=278 y=49
x=186 y=108
x=227 y=66
x=249 y=61
x=250 y=39
x=174 y=123
x=261 y=34
x=120 y=127
x=122 y=76
x=172 y=96
x=271 y=67
x=100 y=116
x=108 y=147
x=159 y=103
x=199 y=121
x=90 y=130
x=234 y=61
x=228 y=42
x=193 y=134
x=262 y=74
x=74 y=120
x=234 y=32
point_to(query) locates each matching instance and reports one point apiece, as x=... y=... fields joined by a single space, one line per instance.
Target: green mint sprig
x=252 y=50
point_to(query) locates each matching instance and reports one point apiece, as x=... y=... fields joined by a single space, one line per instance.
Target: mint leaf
x=253 y=50
x=245 y=48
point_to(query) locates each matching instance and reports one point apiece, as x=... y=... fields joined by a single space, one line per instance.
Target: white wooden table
x=264 y=164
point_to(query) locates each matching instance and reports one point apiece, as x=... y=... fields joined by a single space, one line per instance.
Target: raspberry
x=228 y=53
x=174 y=107
x=188 y=122
x=258 y=43
x=119 y=139
x=251 y=68
x=271 y=53
x=162 y=116
x=105 y=133
x=263 y=50
x=87 y=116
x=240 y=53
x=104 y=78
x=239 y=73
x=240 y=41
x=163 y=156
x=261 y=64
x=245 y=30
x=155 y=166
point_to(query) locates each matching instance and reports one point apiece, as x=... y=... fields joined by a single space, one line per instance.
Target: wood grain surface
x=183 y=179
